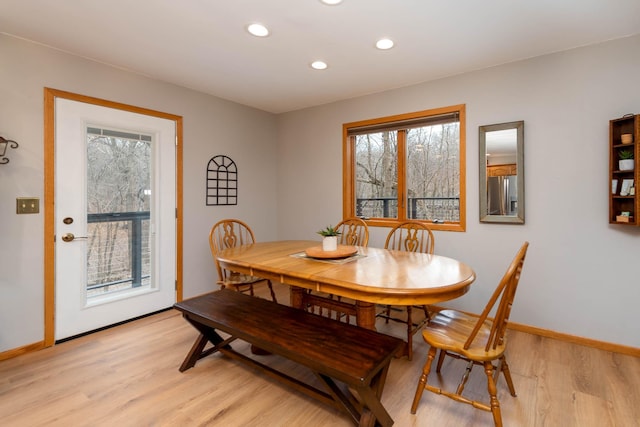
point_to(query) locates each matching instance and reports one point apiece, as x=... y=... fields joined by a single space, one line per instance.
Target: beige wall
x=211 y=126
x=581 y=276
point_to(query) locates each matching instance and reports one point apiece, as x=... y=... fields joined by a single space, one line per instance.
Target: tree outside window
x=407 y=167
x=118 y=210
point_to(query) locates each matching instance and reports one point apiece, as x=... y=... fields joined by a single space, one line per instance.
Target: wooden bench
x=351 y=362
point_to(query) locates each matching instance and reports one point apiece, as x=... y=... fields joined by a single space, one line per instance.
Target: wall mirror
x=502 y=173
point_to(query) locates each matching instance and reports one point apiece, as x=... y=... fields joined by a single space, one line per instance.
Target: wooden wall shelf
x=627 y=203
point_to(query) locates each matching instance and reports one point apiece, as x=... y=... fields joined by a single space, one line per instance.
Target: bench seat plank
x=333 y=350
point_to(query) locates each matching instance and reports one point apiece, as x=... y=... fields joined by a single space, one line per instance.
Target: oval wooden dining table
x=371 y=276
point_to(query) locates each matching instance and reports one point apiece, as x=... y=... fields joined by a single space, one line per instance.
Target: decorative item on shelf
x=626 y=160
x=4 y=143
x=625 y=190
x=624 y=217
x=329 y=238
x=626 y=138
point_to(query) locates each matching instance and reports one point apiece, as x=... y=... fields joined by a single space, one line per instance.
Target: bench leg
x=194 y=353
x=346 y=401
x=371 y=397
x=367 y=419
x=370 y=411
x=373 y=409
x=207 y=334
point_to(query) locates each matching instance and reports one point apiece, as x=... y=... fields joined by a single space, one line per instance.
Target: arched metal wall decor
x=222 y=181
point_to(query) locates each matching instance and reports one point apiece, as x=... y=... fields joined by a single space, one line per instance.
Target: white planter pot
x=626 y=165
x=330 y=243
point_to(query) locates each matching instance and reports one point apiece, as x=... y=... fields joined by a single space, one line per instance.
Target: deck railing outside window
x=118 y=252
x=427 y=208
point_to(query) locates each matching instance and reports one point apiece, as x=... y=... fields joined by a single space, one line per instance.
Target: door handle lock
x=69 y=237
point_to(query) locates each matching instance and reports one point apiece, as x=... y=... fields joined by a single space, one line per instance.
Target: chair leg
x=465 y=378
x=507 y=375
x=426 y=313
x=440 y=360
x=493 y=394
x=423 y=379
x=388 y=313
x=273 y=294
x=409 y=333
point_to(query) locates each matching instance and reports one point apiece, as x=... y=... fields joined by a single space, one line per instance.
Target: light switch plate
x=27 y=205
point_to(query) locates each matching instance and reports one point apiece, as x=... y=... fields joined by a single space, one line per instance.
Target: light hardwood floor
x=128 y=376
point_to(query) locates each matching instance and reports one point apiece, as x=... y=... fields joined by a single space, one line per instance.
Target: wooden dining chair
x=478 y=340
x=229 y=233
x=353 y=232
x=411 y=237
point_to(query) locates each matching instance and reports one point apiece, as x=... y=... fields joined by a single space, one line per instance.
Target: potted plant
x=329 y=238
x=626 y=162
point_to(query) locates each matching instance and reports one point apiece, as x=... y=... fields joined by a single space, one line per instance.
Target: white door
x=115 y=184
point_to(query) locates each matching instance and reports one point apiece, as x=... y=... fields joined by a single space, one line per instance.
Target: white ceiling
x=203 y=45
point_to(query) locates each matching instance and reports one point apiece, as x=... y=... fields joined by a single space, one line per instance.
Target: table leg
x=295 y=295
x=366 y=315
x=365 y=311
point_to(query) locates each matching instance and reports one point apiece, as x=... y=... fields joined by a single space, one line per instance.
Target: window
x=410 y=166
x=119 y=204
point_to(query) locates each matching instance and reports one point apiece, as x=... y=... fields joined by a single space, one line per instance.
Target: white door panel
x=78 y=309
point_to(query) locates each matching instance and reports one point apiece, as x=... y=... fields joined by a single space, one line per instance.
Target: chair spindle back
x=228 y=233
x=505 y=292
x=411 y=237
x=354 y=232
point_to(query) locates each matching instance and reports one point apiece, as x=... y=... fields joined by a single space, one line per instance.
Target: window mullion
x=402 y=174
x=349 y=177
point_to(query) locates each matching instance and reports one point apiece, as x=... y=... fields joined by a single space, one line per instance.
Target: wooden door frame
x=49 y=195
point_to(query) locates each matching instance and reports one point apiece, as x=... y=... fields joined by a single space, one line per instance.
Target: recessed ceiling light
x=384 y=44
x=319 y=65
x=258 y=30
x=331 y=2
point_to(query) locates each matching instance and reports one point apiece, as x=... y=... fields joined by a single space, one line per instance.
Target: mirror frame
x=484 y=215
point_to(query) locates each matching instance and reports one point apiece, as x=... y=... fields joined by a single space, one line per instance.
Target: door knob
x=69 y=237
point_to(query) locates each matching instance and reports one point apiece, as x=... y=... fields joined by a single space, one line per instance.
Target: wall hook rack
x=4 y=144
